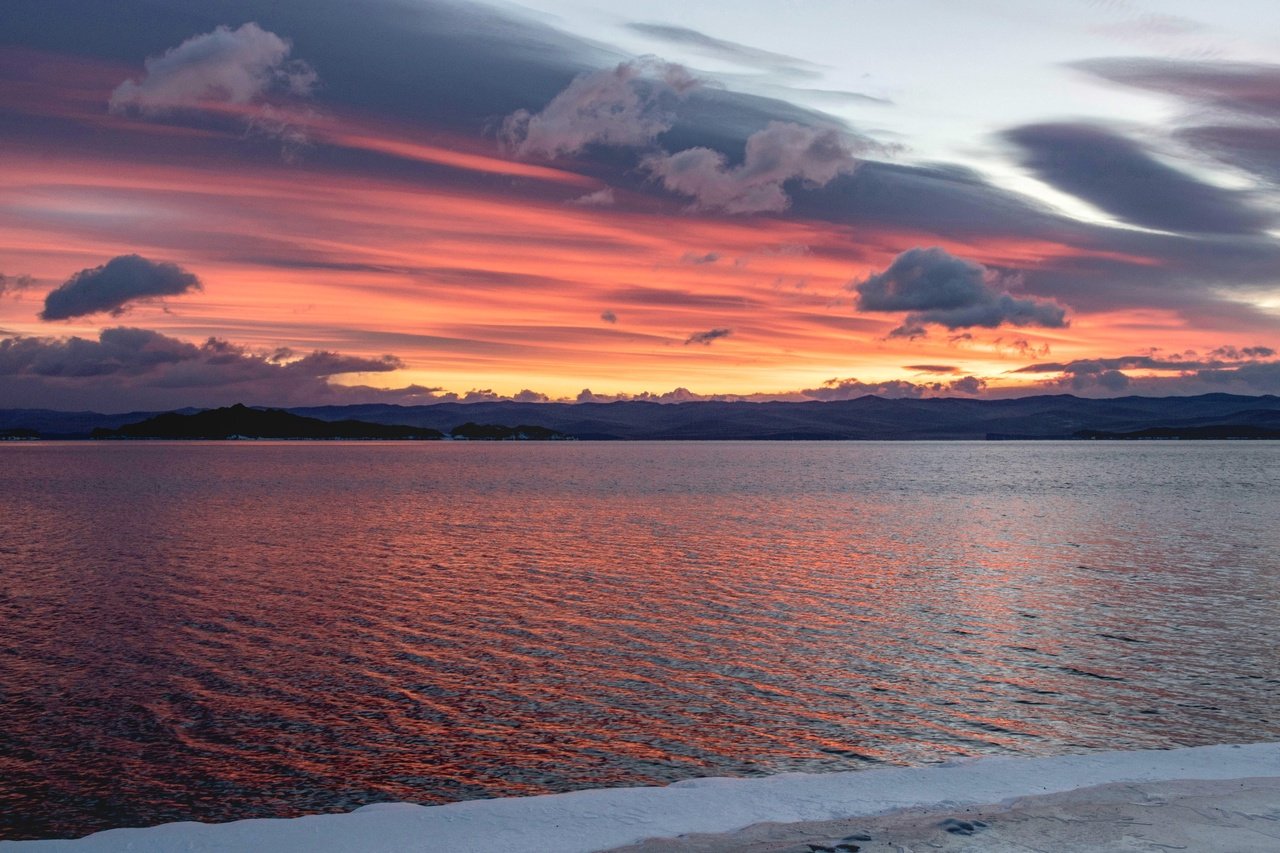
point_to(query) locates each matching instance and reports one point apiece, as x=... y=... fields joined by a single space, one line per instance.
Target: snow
x=611 y=817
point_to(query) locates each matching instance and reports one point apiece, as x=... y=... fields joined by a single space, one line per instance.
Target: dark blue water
x=218 y=631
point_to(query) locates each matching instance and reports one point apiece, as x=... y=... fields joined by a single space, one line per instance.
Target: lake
x=213 y=631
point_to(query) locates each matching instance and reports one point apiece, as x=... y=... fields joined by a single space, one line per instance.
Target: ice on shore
x=612 y=817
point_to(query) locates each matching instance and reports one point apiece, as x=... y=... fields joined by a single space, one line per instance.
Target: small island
x=497 y=432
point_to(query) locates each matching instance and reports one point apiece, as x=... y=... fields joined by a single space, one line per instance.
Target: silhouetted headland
x=240 y=421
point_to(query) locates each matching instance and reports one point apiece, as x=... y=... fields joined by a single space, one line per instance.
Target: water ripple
x=213 y=632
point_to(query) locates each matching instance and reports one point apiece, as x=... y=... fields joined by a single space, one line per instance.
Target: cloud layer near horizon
x=127 y=369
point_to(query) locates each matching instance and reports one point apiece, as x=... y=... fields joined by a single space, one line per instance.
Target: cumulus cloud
x=138 y=368
x=226 y=66
x=829 y=391
x=676 y=395
x=599 y=198
x=967 y=385
x=937 y=288
x=14 y=284
x=705 y=338
x=851 y=389
x=633 y=104
x=114 y=285
x=781 y=152
x=628 y=105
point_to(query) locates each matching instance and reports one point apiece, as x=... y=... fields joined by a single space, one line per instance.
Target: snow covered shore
x=613 y=817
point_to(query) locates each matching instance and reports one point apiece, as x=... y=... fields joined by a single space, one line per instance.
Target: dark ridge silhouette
x=1197 y=433
x=1059 y=416
x=240 y=421
x=498 y=432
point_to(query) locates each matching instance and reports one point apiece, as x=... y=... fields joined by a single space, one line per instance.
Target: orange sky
x=479 y=270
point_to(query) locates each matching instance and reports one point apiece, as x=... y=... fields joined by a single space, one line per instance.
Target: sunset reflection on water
x=219 y=631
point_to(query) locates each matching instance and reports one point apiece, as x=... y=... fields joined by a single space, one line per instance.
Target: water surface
x=218 y=631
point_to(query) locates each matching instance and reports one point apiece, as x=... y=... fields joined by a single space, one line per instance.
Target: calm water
x=218 y=631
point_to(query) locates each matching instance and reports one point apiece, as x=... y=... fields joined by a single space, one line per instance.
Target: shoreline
x=611 y=818
x=1217 y=816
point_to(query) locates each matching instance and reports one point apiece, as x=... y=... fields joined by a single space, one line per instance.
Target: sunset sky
x=321 y=201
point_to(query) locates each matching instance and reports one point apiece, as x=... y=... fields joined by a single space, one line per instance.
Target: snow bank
x=612 y=817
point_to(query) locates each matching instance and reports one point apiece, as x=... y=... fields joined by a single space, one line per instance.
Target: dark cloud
x=967 y=385
x=1247 y=370
x=732 y=51
x=448 y=64
x=15 y=284
x=1115 y=174
x=1252 y=148
x=114 y=285
x=781 y=152
x=460 y=67
x=679 y=298
x=608 y=316
x=130 y=368
x=697 y=259
x=1242 y=353
x=932 y=368
x=935 y=287
x=1209 y=279
x=705 y=338
x=1221 y=358
x=323 y=363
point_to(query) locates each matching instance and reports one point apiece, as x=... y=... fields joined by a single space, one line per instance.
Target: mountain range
x=864 y=418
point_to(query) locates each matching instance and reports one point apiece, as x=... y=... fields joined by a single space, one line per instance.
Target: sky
x=307 y=202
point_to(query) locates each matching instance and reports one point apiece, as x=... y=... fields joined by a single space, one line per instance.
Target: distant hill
x=947 y=418
x=242 y=422
x=498 y=432
x=1188 y=433
x=1060 y=416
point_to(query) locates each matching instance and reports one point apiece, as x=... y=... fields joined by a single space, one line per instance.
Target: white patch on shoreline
x=612 y=817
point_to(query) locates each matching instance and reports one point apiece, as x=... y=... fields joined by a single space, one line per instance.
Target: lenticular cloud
x=115 y=285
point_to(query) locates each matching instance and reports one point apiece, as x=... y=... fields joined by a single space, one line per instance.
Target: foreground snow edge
x=611 y=817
